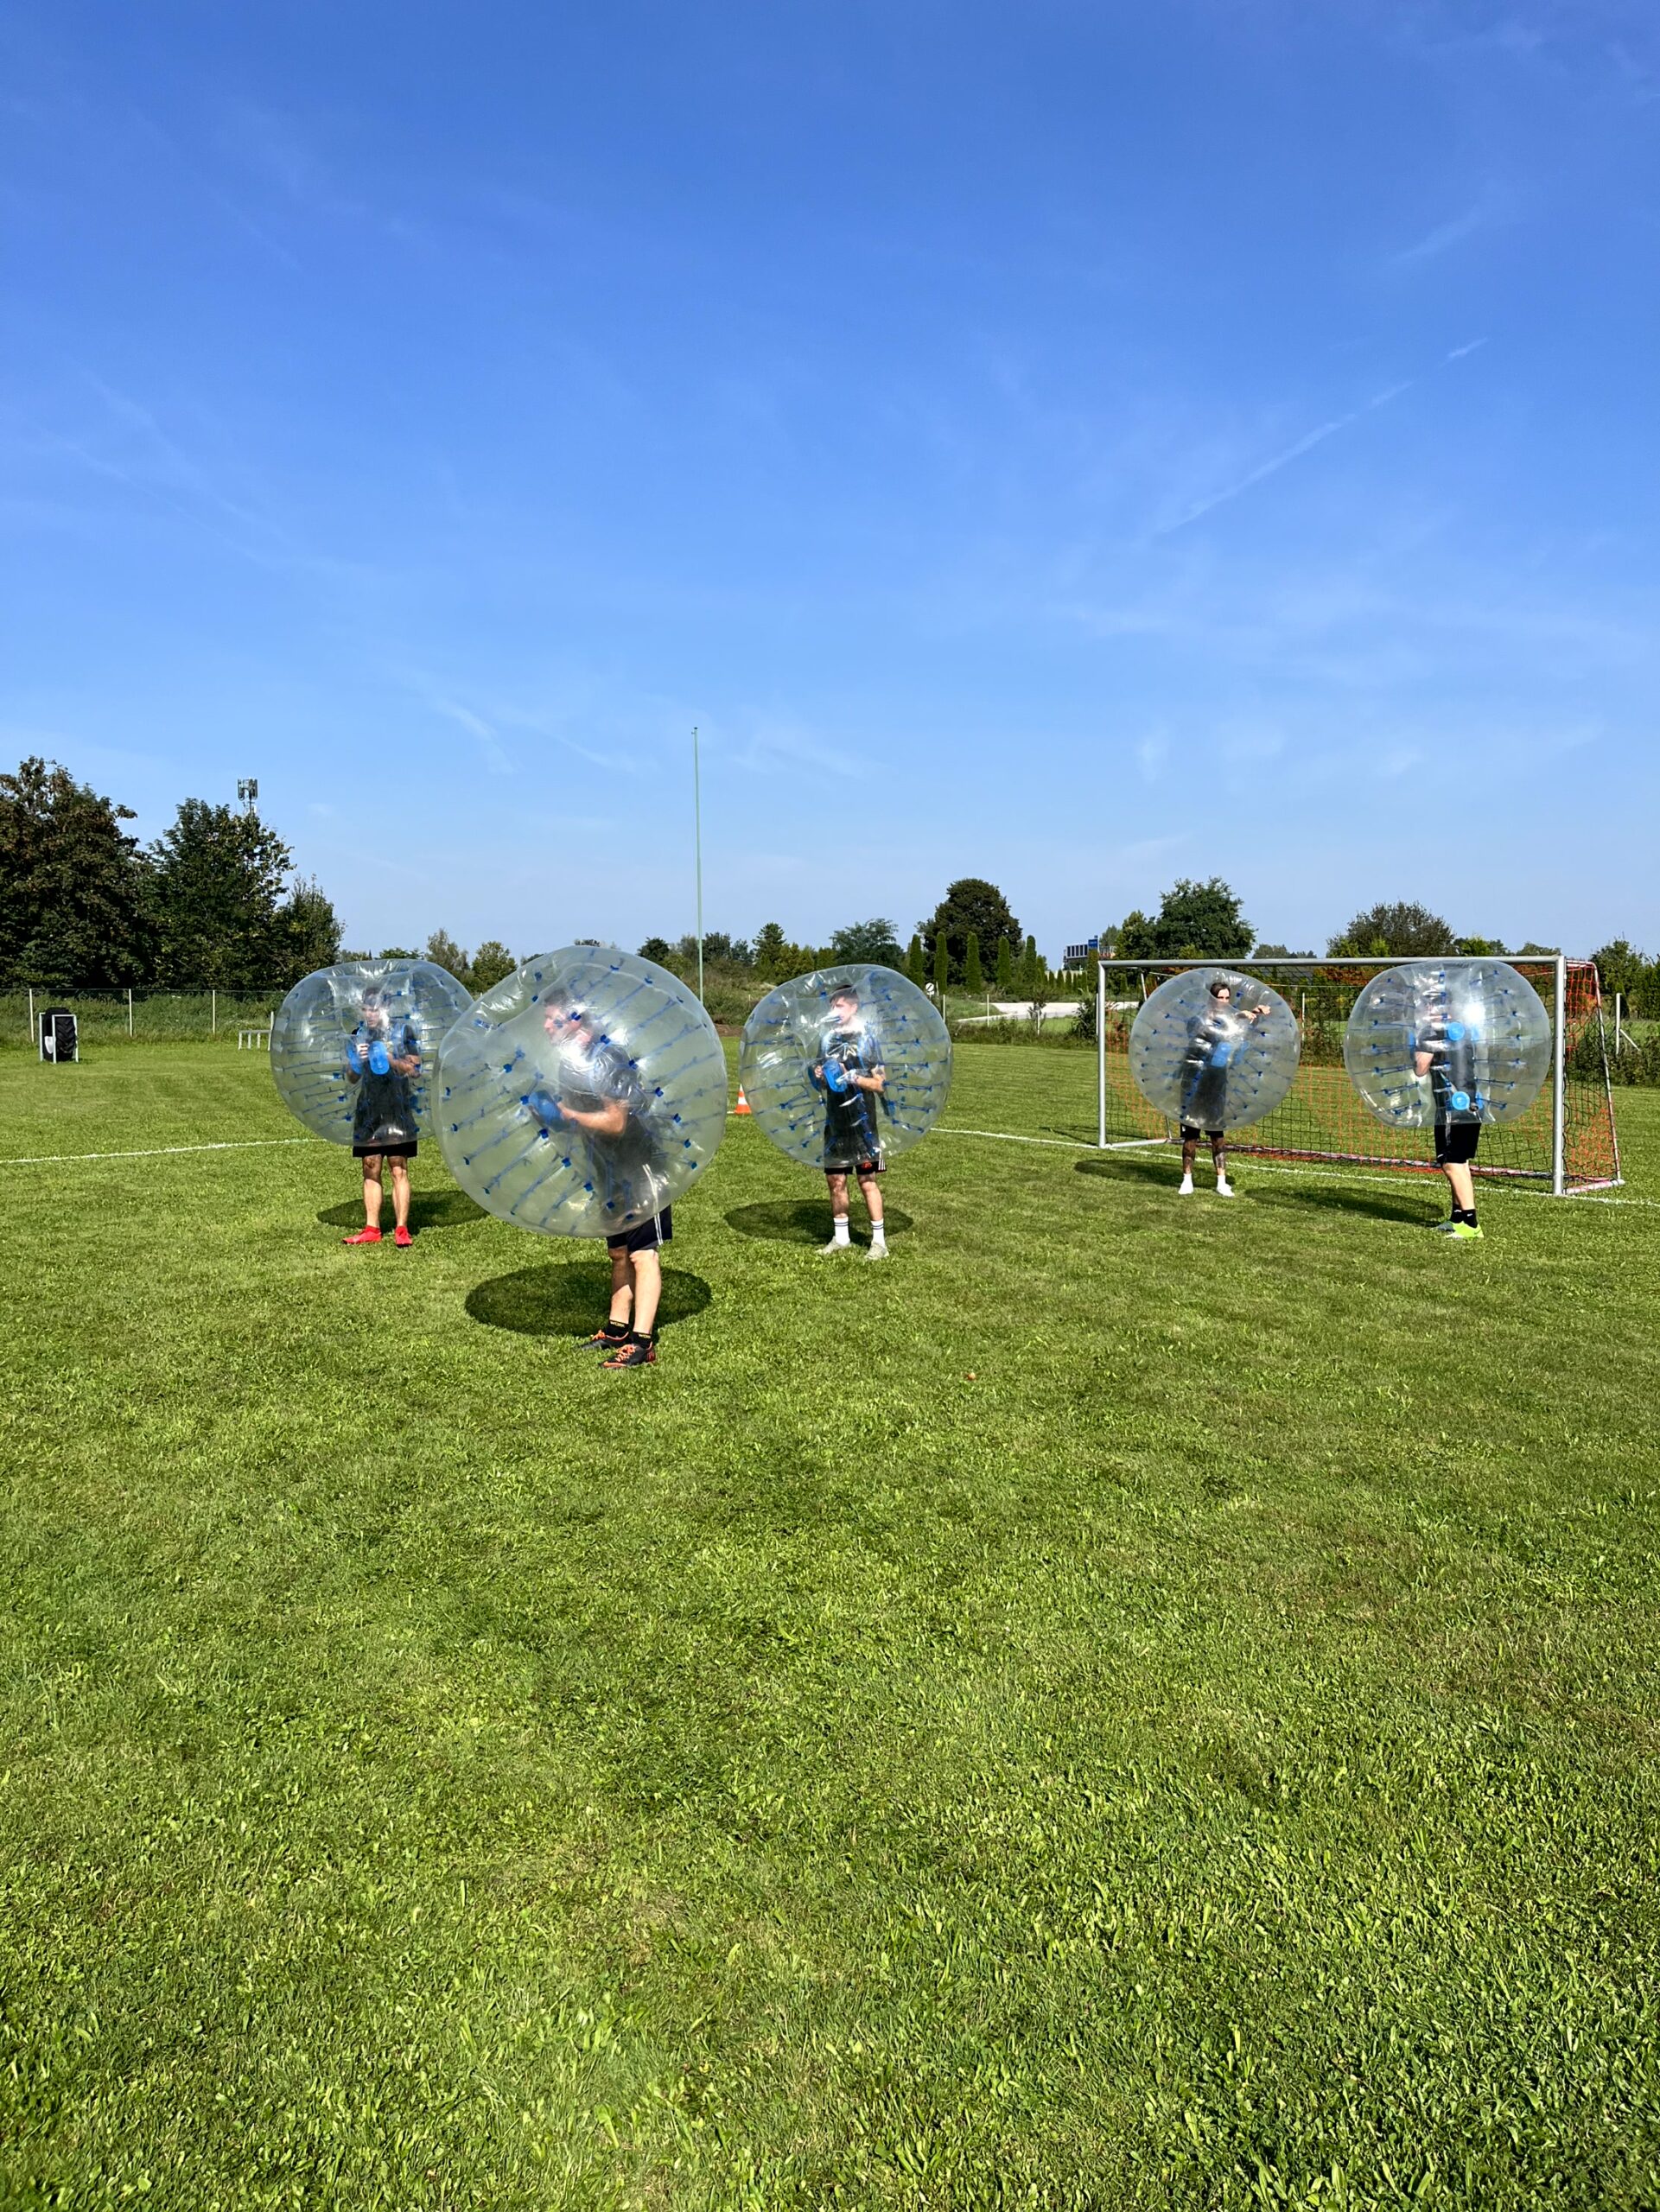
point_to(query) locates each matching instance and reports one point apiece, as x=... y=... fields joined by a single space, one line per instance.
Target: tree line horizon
x=216 y=902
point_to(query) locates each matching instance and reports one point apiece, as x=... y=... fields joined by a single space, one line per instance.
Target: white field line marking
x=1004 y=1136
x=1251 y=1166
x=155 y=1152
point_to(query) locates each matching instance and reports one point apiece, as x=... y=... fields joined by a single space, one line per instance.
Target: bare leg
x=838 y=1198
x=1462 y=1184
x=622 y=1290
x=401 y=1192
x=648 y=1289
x=871 y=1189
x=1219 y=1155
x=372 y=1190
x=1189 y=1155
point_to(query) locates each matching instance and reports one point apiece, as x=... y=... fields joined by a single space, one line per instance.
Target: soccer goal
x=1565 y=1143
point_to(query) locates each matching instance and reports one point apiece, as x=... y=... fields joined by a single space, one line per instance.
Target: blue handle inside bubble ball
x=380 y=1060
x=1459 y=1102
x=354 y=1058
x=545 y=1106
x=1455 y=1033
x=836 y=1076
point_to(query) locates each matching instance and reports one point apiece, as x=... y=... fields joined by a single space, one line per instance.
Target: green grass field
x=1132 y=1704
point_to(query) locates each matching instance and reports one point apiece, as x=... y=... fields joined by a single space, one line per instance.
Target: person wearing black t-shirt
x=1215 y=1037
x=598 y=1091
x=850 y=1074
x=1445 y=1050
x=383 y=1058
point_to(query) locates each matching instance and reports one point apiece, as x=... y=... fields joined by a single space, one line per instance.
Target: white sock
x=839 y=1229
x=878 y=1232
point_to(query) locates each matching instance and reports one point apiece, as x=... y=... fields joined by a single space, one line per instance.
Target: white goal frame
x=1373 y=965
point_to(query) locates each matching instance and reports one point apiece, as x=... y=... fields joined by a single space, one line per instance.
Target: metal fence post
x=31 y=1014
x=212 y=1026
x=1559 y=1083
x=129 y=1009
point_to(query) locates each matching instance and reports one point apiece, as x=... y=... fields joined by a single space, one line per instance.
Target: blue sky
x=1080 y=445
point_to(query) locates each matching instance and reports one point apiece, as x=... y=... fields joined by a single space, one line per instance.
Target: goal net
x=1565 y=1142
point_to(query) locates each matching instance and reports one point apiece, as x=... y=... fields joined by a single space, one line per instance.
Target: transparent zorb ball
x=1447 y=1040
x=343 y=1024
x=583 y=1094
x=1214 y=1048
x=809 y=1042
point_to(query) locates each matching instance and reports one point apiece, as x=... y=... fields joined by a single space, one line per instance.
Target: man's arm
x=610 y=1121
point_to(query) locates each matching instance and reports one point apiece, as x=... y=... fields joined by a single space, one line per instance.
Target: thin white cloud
x=1443 y=238
x=1272 y=467
x=489 y=743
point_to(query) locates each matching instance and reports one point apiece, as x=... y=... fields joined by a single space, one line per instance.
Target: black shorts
x=1456 y=1142
x=384 y=1151
x=848 y=1164
x=1191 y=1135
x=647 y=1236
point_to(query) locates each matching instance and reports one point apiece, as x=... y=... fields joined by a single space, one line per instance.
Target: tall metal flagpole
x=697 y=847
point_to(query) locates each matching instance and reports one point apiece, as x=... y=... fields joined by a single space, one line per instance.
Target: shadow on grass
x=1347 y=1198
x=1281 y=1192
x=570 y=1299
x=1165 y=1169
x=427 y=1210
x=801 y=1221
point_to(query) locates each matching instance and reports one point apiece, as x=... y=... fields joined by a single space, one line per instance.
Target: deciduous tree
x=73 y=884
x=1395 y=926
x=970 y=903
x=874 y=941
x=216 y=885
x=489 y=965
x=444 y=952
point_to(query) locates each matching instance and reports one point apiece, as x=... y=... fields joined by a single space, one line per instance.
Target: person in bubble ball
x=382 y=1061
x=598 y=1091
x=848 y=1071
x=1215 y=1037
x=1444 y=1050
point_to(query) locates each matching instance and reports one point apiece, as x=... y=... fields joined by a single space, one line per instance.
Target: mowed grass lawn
x=1134 y=1703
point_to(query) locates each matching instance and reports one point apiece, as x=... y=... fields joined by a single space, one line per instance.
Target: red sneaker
x=402 y=1239
x=363 y=1237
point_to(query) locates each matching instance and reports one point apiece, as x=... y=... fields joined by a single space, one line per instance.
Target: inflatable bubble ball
x=583 y=1094
x=1447 y=1040
x=1212 y=1049
x=850 y=1064
x=343 y=1038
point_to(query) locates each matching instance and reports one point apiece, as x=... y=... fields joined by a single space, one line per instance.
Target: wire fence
x=149 y=1016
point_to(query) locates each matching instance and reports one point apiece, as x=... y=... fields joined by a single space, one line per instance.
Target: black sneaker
x=606 y=1338
x=633 y=1351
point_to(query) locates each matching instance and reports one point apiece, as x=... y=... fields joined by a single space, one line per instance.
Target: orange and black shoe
x=633 y=1351
x=606 y=1338
x=363 y=1237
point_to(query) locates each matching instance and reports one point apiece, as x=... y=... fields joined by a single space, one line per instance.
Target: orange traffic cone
x=743 y=1105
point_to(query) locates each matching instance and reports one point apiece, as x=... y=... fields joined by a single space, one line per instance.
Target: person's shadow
x=429 y=1209
x=1284 y=1193
x=800 y=1221
x=569 y=1299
